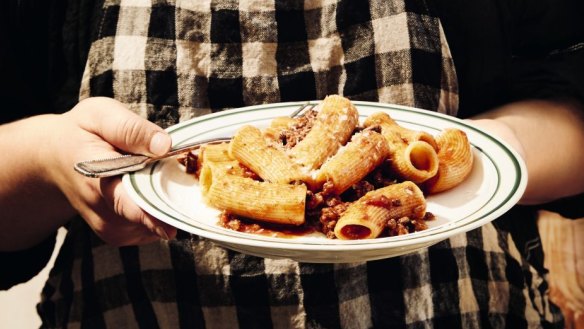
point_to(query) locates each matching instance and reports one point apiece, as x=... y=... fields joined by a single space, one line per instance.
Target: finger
x=122 y=128
x=122 y=205
x=118 y=232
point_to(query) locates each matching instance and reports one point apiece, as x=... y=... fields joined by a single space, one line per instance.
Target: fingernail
x=160 y=143
x=161 y=233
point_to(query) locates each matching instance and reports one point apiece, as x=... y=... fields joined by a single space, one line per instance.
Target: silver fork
x=134 y=162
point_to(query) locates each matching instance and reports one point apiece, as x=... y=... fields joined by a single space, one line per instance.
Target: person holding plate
x=168 y=62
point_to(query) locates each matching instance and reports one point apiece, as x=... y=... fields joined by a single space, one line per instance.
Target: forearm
x=550 y=136
x=32 y=206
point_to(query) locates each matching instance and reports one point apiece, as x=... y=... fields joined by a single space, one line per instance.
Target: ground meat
x=190 y=160
x=405 y=225
x=361 y=188
x=229 y=221
x=401 y=229
x=328 y=188
x=314 y=200
x=320 y=199
x=383 y=202
x=234 y=222
x=419 y=225
x=357 y=191
x=382 y=175
x=290 y=137
x=391 y=224
x=247 y=225
x=333 y=201
x=398 y=227
x=325 y=210
x=329 y=217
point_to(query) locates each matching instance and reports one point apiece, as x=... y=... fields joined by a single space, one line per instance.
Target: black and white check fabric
x=173 y=60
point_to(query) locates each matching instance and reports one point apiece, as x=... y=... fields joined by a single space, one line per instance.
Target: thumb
x=120 y=127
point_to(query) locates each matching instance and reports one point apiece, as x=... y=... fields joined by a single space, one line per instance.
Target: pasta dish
x=328 y=172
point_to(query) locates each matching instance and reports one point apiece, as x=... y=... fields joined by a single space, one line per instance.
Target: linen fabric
x=172 y=61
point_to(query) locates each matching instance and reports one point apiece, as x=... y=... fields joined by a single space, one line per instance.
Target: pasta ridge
x=456 y=160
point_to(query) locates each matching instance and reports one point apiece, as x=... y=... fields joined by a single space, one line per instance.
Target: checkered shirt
x=173 y=60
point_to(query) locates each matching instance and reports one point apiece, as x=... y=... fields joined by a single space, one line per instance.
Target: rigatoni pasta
x=215 y=153
x=334 y=126
x=368 y=216
x=413 y=153
x=359 y=157
x=251 y=149
x=326 y=171
x=270 y=202
x=456 y=161
x=210 y=169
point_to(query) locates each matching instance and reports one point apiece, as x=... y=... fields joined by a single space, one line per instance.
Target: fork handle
x=133 y=162
x=113 y=166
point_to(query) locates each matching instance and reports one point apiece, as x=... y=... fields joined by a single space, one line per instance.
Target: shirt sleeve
x=547 y=43
x=21 y=266
x=558 y=75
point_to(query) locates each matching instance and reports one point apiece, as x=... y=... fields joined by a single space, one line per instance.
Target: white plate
x=496 y=183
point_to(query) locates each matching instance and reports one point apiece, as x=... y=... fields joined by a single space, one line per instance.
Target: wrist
x=502 y=132
x=33 y=206
x=45 y=143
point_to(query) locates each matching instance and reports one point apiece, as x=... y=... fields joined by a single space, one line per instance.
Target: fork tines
x=303 y=108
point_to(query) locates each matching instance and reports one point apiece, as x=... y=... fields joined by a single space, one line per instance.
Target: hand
x=101 y=128
x=502 y=131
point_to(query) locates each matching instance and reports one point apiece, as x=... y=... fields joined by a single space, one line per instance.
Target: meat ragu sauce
x=246 y=225
x=326 y=209
x=190 y=161
x=289 y=138
x=323 y=209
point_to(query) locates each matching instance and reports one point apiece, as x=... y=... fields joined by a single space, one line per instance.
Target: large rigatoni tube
x=416 y=161
x=269 y=202
x=272 y=164
x=215 y=153
x=211 y=169
x=367 y=217
x=412 y=153
x=455 y=160
x=359 y=157
x=332 y=129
